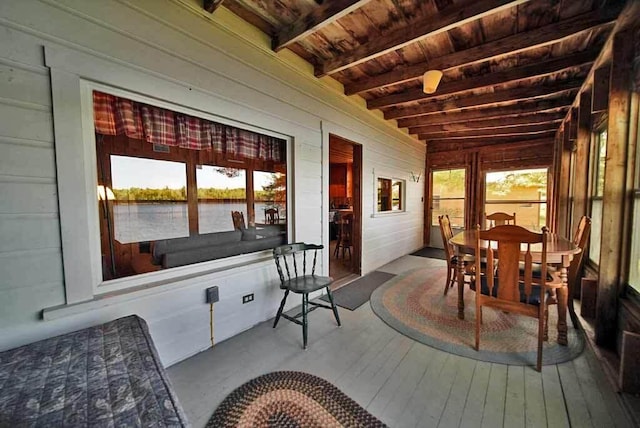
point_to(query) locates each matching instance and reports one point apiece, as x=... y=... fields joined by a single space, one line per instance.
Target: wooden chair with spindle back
x=296 y=264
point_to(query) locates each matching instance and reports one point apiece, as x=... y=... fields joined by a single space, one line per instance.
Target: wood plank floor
x=402 y=382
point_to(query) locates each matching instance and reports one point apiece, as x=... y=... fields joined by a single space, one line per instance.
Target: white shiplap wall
x=228 y=64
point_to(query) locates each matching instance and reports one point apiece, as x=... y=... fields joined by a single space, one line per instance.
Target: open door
x=345 y=207
x=447 y=197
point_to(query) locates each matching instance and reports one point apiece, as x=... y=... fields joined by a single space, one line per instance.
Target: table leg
x=460 y=285
x=563 y=294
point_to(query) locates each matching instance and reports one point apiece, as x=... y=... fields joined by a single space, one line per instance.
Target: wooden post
x=614 y=199
x=192 y=194
x=563 y=182
x=581 y=164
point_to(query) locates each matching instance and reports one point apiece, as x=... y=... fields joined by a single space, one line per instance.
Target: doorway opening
x=345 y=208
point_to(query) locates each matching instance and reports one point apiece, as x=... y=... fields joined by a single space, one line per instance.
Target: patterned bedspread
x=107 y=375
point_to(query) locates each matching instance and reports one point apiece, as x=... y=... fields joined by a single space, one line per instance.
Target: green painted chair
x=296 y=265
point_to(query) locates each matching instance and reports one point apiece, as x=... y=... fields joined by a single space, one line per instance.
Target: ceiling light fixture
x=430 y=81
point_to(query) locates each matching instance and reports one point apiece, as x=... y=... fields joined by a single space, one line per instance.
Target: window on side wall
x=523 y=192
x=597 y=192
x=390 y=195
x=169 y=182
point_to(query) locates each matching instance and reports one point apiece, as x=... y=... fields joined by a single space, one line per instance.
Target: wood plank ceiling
x=512 y=68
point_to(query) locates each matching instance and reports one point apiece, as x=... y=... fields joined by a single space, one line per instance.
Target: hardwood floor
x=402 y=382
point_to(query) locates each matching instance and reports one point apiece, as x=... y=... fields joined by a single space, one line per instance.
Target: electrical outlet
x=248 y=298
x=212 y=295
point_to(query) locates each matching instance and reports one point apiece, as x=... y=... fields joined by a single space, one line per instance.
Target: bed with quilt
x=106 y=375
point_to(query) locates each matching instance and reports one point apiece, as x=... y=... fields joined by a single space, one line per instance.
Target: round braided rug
x=290 y=399
x=414 y=305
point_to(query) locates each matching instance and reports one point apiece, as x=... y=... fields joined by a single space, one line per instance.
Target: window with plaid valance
x=120 y=116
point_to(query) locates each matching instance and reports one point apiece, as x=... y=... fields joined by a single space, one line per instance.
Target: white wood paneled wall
x=223 y=60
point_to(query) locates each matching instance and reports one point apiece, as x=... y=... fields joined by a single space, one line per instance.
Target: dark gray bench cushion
x=107 y=375
x=160 y=248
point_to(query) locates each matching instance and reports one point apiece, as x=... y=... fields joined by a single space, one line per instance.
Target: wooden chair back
x=447 y=233
x=296 y=260
x=580 y=239
x=271 y=216
x=238 y=220
x=501 y=218
x=509 y=248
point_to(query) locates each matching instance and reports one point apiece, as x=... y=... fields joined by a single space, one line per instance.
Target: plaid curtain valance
x=120 y=116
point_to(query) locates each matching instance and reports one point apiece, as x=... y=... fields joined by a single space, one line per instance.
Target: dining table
x=560 y=252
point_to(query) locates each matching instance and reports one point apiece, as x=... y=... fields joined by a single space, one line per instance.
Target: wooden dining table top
x=557 y=246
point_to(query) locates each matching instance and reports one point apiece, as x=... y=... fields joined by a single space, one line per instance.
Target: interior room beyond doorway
x=344 y=207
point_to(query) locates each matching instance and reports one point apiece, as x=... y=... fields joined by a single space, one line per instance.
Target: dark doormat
x=356 y=293
x=433 y=253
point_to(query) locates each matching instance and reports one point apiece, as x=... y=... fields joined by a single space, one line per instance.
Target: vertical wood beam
x=581 y=164
x=563 y=181
x=475 y=197
x=251 y=206
x=554 y=185
x=601 y=77
x=192 y=193
x=614 y=200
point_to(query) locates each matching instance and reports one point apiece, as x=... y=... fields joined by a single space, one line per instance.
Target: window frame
x=594 y=170
x=634 y=289
x=403 y=195
x=77 y=170
x=514 y=201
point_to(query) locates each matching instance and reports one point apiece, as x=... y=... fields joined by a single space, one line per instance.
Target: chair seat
x=534 y=297
x=306 y=284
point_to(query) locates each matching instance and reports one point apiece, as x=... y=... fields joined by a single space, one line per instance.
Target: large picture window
x=170 y=185
x=523 y=192
x=597 y=192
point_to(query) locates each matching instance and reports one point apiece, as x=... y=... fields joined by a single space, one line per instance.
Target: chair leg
x=446 y=284
x=333 y=306
x=284 y=300
x=545 y=334
x=336 y=251
x=541 y=327
x=305 y=308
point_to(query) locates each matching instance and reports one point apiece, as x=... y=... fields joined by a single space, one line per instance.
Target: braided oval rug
x=290 y=399
x=414 y=305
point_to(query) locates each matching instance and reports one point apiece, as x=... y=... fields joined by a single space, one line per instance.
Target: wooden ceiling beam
x=468 y=141
x=324 y=15
x=529 y=119
x=542 y=36
x=508 y=95
x=541 y=69
x=451 y=17
x=560 y=104
x=536 y=129
x=211 y=5
x=489 y=143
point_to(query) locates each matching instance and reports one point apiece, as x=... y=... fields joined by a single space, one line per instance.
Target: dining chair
x=501 y=218
x=238 y=220
x=580 y=239
x=452 y=259
x=296 y=264
x=505 y=289
x=345 y=241
x=271 y=216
